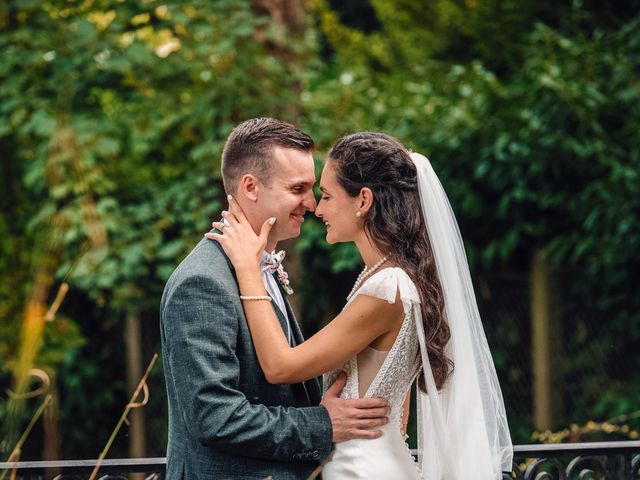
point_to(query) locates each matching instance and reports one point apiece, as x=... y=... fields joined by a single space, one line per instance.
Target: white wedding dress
x=381 y=374
x=462 y=427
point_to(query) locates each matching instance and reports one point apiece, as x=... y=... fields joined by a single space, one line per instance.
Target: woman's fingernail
x=272 y=220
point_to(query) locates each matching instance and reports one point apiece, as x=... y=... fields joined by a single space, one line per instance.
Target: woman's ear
x=365 y=200
x=249 y=187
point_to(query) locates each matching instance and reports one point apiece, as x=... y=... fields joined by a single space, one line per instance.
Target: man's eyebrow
x=301 y=184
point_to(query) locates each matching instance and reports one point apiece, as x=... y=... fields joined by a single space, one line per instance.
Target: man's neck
x=271 y=246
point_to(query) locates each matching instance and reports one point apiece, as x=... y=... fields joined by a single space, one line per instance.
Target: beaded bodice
x=402 y=363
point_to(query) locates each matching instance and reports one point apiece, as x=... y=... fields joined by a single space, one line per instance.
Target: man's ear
x=365 y=200
x=249 y=187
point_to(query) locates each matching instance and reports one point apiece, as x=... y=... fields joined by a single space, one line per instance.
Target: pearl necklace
x=363 y=275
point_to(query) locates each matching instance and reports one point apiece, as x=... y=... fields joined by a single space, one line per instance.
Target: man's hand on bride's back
x=354 y=418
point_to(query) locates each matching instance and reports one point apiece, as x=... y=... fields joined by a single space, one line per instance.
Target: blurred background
x=113 y=115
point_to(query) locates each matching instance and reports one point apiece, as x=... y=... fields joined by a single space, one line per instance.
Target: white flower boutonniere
x=283 y=278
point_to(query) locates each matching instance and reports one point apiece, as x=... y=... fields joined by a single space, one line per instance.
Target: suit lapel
x=281 y=317
x=295 y=328
x=293 y=324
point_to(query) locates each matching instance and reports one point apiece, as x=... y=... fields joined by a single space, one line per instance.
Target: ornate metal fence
x=577 y=461
x=571 y=461
x=111 y=469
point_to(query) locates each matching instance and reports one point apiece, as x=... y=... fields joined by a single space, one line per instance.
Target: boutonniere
x=283 y=278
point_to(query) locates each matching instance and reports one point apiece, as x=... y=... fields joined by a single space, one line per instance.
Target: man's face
x=289 y=194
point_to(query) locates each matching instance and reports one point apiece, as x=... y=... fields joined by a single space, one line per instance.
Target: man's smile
x=298 y=217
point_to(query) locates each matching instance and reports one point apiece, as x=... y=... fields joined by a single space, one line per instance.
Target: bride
x=411 y=316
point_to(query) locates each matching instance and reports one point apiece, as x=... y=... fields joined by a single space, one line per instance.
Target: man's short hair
x=249 y=149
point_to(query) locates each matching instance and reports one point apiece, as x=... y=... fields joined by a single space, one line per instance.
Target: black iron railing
x=110 y=469
x=577 y=461
x=570 y=461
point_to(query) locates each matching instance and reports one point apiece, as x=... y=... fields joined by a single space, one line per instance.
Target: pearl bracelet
x=255 y=297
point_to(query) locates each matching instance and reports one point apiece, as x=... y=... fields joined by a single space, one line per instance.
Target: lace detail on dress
x=402 y=363
x=398 y=370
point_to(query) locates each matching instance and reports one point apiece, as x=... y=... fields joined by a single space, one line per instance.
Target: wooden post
x=51 y=424
x=544 y=353
x=133 y=341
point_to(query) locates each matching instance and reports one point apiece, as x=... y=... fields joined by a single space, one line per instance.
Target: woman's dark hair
x=395 y=225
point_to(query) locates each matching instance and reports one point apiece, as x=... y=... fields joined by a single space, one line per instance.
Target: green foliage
x=113 y=116
x=548 y=153
x=401 y=34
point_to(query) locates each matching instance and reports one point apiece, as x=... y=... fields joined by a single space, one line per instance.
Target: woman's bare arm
x=364 y=320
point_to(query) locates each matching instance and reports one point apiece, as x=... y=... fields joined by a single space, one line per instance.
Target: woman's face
x=337 y=209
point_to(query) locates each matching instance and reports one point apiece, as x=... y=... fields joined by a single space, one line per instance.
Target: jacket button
x=315 y=454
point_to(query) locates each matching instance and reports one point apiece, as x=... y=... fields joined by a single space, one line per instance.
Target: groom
x=225 y=419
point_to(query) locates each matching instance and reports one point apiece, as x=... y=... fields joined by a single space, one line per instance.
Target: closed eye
x=299 y=188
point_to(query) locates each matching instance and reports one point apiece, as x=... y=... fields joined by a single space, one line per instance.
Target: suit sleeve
x=201 y=327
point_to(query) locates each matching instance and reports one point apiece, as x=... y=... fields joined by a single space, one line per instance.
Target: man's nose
x=309 y=201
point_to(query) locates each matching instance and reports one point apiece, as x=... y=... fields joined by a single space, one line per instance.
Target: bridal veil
x=462 y=428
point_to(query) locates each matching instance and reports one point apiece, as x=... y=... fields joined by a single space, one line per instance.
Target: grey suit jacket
x=225 y=419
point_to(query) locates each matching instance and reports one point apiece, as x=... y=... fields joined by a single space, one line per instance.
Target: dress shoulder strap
x=385 y=285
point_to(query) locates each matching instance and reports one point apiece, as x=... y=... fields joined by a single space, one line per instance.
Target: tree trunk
x=288 y=21
x=286 y=13
x=545 y=347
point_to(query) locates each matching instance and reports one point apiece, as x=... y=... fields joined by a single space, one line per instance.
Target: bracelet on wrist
x=255 y=297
